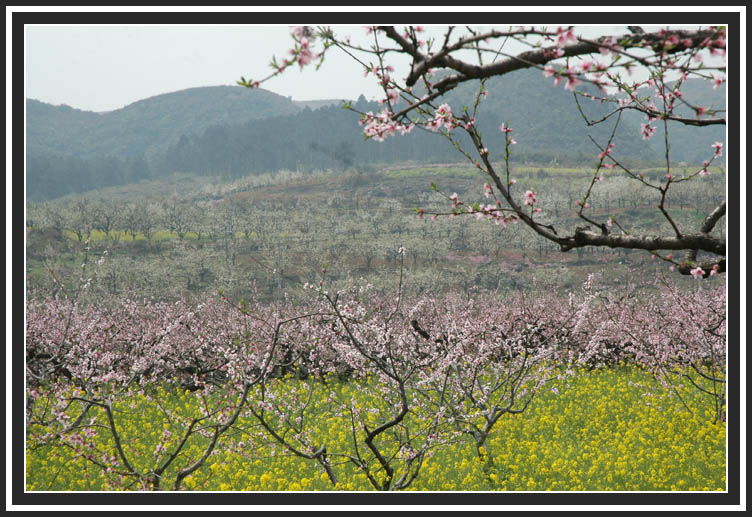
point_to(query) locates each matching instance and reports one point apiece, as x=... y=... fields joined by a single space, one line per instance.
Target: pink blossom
x=606 y=152
x=444 y=111
x=405 y=129
x=530 y=198
x=697 y=273
x=565 y=36
x=305 y=56
x=572 y=81
x=718 y=146
x=607 y=46
x=647 y=131
x=434 y=125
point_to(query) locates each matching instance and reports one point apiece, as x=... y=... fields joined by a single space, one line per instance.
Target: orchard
x=358 y=389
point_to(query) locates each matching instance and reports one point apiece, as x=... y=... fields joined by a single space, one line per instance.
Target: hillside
x=215 y=131
x=149 y=125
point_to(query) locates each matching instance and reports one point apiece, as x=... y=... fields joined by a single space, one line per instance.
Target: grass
x=609 y=429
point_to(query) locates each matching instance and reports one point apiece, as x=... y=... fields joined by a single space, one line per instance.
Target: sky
x=105 y=68
x=102 y=68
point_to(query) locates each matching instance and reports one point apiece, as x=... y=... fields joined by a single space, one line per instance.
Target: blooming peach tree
x=397 y=378
x=664 y=58
x=215 y=376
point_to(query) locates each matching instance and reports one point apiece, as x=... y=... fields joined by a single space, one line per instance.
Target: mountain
x=230 y=131
x=316 y=104
x=149 y=126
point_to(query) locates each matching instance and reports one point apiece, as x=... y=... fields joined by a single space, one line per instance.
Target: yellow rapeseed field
x=609 y=429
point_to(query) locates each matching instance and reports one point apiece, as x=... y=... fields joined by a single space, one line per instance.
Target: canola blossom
x=355 y=391
x=609 y=429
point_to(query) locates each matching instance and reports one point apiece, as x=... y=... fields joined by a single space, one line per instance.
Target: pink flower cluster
x=506 y=130
x=606 y=152
x=381 y=125
x=647 y=131
x=443 y=117
x=302 y=51
x=530 y=198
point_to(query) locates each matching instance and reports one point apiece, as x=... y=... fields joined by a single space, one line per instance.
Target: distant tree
x=80 y=219
x=176 y=217
x=151 y=219
x=107 y=215
x=591 y=68
x=131 y=217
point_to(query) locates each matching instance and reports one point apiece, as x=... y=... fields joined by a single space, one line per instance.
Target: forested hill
x=229 y=131
x=547 y=126
x=148 y=126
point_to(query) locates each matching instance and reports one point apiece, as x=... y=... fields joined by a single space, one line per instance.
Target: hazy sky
x=101 y=68
x=106 y=67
